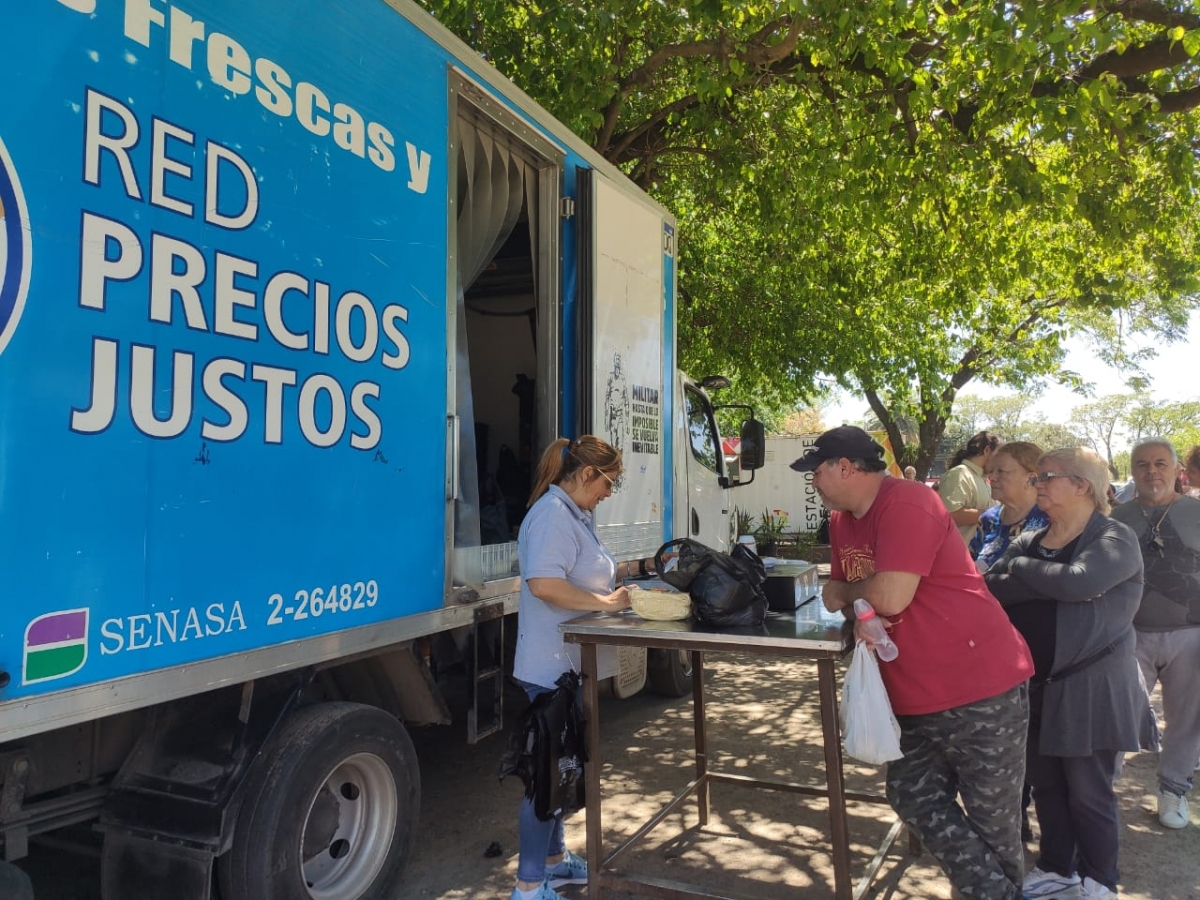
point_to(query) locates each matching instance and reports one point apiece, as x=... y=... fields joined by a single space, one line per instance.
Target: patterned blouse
x=992 y=536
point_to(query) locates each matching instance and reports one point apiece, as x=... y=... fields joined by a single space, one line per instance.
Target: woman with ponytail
x=565 y=571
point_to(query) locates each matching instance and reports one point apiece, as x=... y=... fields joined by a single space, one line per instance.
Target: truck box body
x=223 y=386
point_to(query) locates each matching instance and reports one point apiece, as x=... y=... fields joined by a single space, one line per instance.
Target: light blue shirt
x=558 y=540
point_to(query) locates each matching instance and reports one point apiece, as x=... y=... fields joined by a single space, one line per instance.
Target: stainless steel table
x=808 y=633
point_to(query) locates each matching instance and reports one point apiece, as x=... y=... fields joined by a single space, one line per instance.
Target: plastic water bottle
x=885 y=649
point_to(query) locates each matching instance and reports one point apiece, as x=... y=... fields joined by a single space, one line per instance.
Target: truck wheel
x=670 y=673
x=330 y=810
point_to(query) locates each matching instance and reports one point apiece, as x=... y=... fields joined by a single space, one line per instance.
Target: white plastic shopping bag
x=869 y=728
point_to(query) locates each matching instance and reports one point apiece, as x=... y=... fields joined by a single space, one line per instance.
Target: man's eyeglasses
x=1044 y=477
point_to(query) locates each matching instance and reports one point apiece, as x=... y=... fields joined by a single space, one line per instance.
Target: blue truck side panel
x=222 y=330
x=670 y=365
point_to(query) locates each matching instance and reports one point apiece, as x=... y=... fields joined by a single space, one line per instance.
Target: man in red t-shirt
x=958 y=686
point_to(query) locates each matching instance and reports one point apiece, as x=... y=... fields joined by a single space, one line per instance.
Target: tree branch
x=1152 y=12
x=759 y=53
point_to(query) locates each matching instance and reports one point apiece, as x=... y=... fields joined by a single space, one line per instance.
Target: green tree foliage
x=1111 y=425
x=1011 y=417
x=902 y=197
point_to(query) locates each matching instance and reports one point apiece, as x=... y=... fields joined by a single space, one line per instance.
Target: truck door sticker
x=14 y=248
x=616 y=406
x=55 y=645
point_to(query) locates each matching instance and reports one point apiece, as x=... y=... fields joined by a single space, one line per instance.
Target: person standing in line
x=910 y=473
x=1011 y=473
x=1192 y=468
x=958 y=687
x=565 y=571
x=1073 y=588
x=964 y=489
x=1167 y=525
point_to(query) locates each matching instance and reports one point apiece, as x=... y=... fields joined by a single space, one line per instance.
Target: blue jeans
x=539 y=839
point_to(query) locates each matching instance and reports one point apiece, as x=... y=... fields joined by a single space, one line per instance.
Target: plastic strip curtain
x=492 y=178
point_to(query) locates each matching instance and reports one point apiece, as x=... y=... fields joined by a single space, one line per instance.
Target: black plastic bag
x=546 y=750
x=726 y=588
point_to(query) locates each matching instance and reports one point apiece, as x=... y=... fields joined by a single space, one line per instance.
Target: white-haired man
x=1168 y=621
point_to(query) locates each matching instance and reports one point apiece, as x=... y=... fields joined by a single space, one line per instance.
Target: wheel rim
x=348 y=828
x=685 y=663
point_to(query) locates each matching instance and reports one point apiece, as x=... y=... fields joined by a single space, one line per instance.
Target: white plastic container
x=885 y=649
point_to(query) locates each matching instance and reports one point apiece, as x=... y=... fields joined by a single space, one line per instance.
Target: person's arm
x=1112 y=557
x=956 y=489
x=830 y=593
x=907 y=539
x=561 y=593
x=1002 y=584
x=836 y=595
x=636 y=568
x=889 y=593
x=966 y=515
x=975 y=547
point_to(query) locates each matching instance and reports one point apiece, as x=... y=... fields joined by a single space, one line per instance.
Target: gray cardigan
x=1104 y=706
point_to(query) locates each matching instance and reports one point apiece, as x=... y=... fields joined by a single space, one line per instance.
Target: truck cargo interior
x=498 y=342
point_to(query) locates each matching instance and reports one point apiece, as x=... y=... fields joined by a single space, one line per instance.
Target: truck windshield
x=702 y=431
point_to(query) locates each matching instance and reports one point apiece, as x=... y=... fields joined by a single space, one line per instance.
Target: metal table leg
x=591 y=777
x=702 y=792
x=839 y=833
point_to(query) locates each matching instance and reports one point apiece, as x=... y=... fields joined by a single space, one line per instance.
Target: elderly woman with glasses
x=1072 y=589
x=1011 y=472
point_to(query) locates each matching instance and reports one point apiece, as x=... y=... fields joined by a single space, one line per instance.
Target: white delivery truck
x=291 y=297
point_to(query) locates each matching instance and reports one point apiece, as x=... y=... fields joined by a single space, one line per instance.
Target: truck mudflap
x=184 y=773
x=332 y=788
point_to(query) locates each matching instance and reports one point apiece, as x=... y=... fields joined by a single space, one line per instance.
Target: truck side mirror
x=754 y=445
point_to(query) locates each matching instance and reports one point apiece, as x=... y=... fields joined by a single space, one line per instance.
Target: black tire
x=329 y=811
x=669 y=673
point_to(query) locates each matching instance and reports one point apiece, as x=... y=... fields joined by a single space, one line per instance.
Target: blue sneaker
x=544 y=892
x=571 y=869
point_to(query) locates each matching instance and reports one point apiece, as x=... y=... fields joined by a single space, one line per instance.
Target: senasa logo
x=14 y=248
x=55 y=645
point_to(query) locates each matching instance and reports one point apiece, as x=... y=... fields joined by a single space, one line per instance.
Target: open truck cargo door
x=502 y=330
x=627 y=355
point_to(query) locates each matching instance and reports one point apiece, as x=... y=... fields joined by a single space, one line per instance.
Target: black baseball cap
x=846 y=441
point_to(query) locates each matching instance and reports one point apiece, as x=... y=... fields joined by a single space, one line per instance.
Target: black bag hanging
x=726 y=588
x=546 y=750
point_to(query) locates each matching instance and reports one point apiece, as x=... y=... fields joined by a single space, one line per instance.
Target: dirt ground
x=763 y=720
